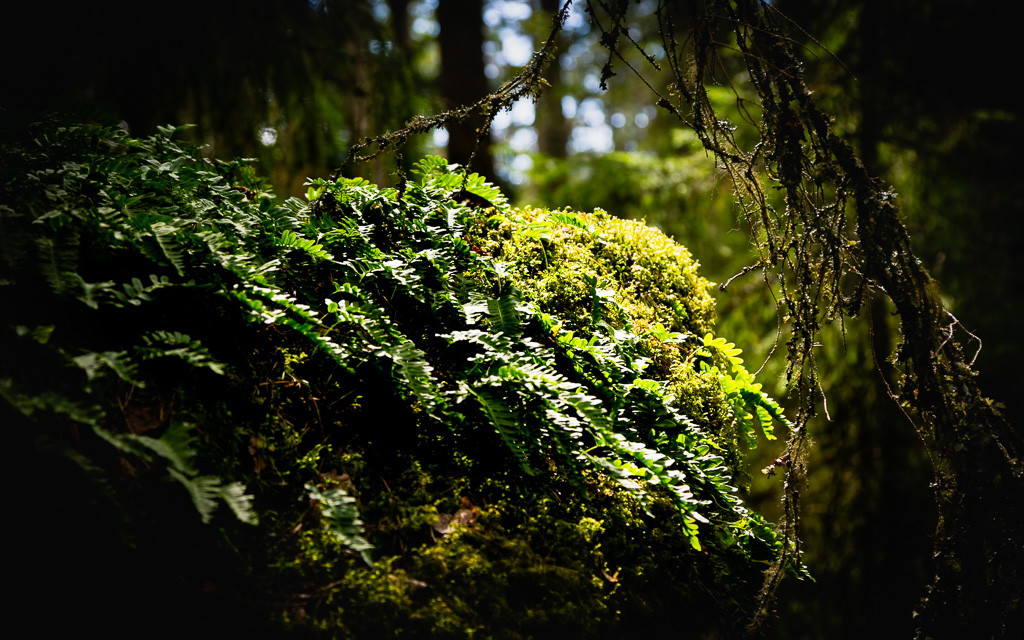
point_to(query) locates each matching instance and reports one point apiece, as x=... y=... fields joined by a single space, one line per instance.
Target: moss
x=589 y=565
x=553 y=263
x=555 y=258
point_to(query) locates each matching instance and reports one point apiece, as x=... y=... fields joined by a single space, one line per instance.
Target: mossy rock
x=375 y=414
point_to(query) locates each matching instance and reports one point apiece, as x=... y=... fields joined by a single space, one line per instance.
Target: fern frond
x=568 y=218
x=135 y=293
x=52 y=401
x=504 y=313
x=415 y=371
x=505 y=423
x=15 y=240
x=165 y=235
x=93 y=363
x=177 y=446
x=493 y=343
x=207 y=490
x=590 y=408
x=478 y=186
x=340 y=516
x=296 y=207
x=241 y=504
x=176 y=449
x=429 y=166
x=178 y=345
x=270 y=306
x=58 y=260
x=290 y=239
x=203 y=490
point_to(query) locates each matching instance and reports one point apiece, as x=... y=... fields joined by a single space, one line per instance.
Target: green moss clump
x=562 y=260
x=557 y=258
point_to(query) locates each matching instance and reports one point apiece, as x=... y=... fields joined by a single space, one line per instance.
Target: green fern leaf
x=568 y=218
x=59 y=260
x=178 y=446
x=340 y=516
x=429 y=166
x=504 y=313
x=240 y=503
x=291 y=239
x=505 y=423
x=49 y=401
x=169 y=245
x=207 y=490
x=178 y=345
x=296 y=207
x=415 y=371
x=589 y=407
x=478 y=186
x=94 y=363
x=204 y=491
x=14 y=239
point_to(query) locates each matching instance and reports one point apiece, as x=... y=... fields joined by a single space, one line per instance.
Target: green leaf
x=504 y=314
x=204 y=491
x=166 y=237
x=505 y=423
x=340 y=516
x=429 y=166
x=240 y=503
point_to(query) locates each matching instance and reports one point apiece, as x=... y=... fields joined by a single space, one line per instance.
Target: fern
x=504 y=313
x=241 y=504
x=438 y=177
x=415 y=372
x=15 y=239
x=132 y=293
x=94 y=364
x=429 y=166
x=31 y=404
x=290 y=239
x=604 y=307
x=568 y=218
x=340 y=516
x=165 y=235
x=207 y=492
x=316 y=299
x=161 y=344
x=742 y=392
x=478 y=186
x=176 y=448
x=505 y=424
x=59 y=260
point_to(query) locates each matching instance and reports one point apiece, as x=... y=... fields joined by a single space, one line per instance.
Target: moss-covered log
x=369 y=415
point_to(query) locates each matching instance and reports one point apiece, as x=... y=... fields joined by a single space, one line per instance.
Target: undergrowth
x=371 y=414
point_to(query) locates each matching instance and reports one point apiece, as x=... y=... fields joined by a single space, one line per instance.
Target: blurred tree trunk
x=552 y=127
x=463 y=81
x=400 y=24
x=883 y=560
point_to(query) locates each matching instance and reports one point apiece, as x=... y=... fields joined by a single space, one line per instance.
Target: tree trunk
x=463 y=81
x=552 y=127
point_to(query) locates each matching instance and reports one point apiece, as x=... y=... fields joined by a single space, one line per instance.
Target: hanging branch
x=979 y=543
x=529 y=82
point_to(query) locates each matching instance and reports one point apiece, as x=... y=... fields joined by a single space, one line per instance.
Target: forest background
x=918 y=88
